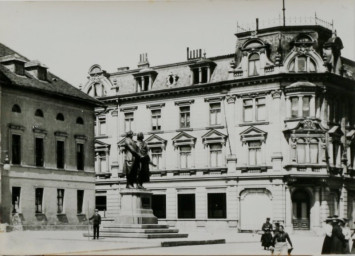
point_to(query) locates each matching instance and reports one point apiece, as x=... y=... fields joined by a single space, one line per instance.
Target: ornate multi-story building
x=47 y=142
x=267 y=131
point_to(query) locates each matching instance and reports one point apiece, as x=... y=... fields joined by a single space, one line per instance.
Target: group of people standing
x=338 y=237
x=137 y=161
x=275 y=239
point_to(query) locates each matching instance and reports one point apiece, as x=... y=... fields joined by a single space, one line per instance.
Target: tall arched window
x=97 y=90
x=301 y=151
x=314 y=151
x=16 y=108
x=79 y=120
x=254 y=65
x=39 y=113
x=302 y=64
x=60 y=117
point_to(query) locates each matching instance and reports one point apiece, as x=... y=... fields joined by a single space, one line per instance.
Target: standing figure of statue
x=132 y=160
x=143 y=172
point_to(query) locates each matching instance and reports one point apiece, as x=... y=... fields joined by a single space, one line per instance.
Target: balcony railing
x=290 y=21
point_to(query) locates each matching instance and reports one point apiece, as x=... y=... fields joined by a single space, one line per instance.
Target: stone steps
x=136 y=230
x=135 y=226
x=138 y=235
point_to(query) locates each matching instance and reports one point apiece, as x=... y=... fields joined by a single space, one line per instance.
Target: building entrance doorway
x=301 y=210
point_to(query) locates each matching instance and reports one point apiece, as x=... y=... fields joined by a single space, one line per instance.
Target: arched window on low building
x=60 y=117
x=79 y=120
x=39 y=113
x=16 y=108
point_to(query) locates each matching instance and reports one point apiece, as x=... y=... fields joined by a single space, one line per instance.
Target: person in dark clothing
x=328 y=235
x=266 y=238
x=337 y=244
x=96 y=223
x=132 y=160
x=143 y=171
x=280 y=243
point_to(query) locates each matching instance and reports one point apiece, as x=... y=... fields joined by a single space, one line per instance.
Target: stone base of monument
x=136 y=219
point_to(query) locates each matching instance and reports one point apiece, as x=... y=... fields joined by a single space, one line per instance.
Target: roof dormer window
x=302 y=64
x=36 y=69
x=254 y=64
x=14 y=63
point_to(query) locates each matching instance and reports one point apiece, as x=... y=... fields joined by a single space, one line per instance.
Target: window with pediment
x=156 y=146
x=185 y=143
x=215 y=142
x=254 y=138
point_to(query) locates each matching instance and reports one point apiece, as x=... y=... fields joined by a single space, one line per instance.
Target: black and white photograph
x=173 y=127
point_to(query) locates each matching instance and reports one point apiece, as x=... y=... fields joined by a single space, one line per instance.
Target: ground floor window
x=60 y=200
x=80 y=201
x=186 y=206
x=101 y=203
x=217 y=205
x=159 y=206
x=16 y=193
x=39 y=200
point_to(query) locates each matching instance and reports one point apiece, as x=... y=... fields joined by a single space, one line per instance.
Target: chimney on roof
x=193 y=54
x=37 y=69
x=143 y=61
x=14 y=63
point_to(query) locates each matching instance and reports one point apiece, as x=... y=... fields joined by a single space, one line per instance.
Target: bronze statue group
x=338 y=236
x=275 y=239
x=137 y=161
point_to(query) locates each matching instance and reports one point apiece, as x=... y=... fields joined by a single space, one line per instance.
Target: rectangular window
x=16 y=149
x=39 y=200
x=215 y=113
x=60 y=200
x=60 y=154
x=313 y=148
x=185 y=117
x=294 y=107
x=102 y=126
x=215 y=155
x=80 y=156
x=16 y=195
x=217 y=206
x=255 y=153
x=248 y=110
x=156 y=120
x=146 y=83
x=128 y=117
x=159 y=206
x=186 y=206
x=185 y=157
x=260 y=109
x=254 y=67
x=306 y=107
x=39 y=152
x=101 y=203
x=157 y=158
x=301 y=153
x=204 y=75
x=103 y=165
x=302 y=66
x=80 y=200
x=196 y=75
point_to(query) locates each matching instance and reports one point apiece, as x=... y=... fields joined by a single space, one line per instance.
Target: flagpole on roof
x=283 y=12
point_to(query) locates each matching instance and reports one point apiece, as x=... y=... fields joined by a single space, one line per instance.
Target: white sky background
x=69 y=37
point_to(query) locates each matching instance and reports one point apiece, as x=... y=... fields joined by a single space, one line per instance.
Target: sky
x=70 y=36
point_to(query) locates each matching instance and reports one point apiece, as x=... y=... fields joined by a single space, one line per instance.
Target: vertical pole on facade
x=283 y=12
x=88 y=222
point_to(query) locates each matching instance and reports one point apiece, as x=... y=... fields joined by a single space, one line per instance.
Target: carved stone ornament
x=230 y=98
x=276 y=94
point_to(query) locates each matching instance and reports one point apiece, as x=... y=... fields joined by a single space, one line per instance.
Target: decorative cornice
x=61 y=134
x=184 y=102
x=16 y=127
x=214 y=99
x=37 y=129
x=231 y=98
x=129 y=109
x=276 y=94
x=154 y=106
x=80 y=137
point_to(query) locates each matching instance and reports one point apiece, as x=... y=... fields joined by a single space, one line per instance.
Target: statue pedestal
x=136 y=207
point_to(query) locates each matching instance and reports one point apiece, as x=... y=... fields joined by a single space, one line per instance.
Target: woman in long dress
x=328 y=235
x=338 y=241
x=266 y=238
x=347 y=234
x=280 y=243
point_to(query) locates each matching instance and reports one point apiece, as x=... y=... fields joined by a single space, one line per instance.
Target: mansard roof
x=52 y=86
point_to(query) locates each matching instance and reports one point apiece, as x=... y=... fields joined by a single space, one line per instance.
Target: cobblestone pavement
x=73 y=242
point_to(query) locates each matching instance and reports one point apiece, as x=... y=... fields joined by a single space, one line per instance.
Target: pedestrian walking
x=338 y=239
x=266 y=237
x=96 y=223
x=344 y=224
x=276 y=228
x=280 y=243
x=328 y=235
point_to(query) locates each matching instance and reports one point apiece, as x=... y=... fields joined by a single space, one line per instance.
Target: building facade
x=267 y=131
x=47 y=135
